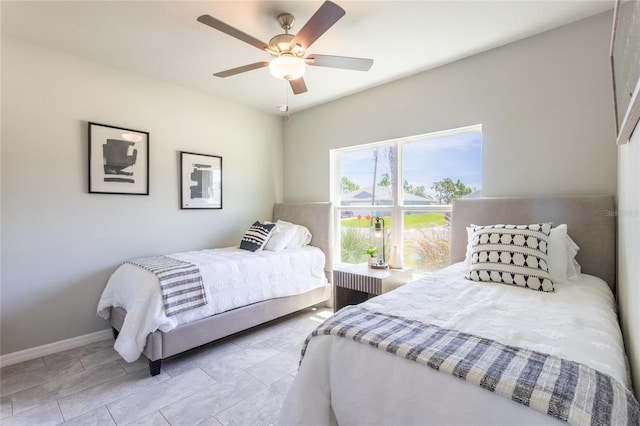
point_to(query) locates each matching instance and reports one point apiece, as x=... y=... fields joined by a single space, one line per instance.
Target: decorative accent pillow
x=256 y=236
x=281 y=236
x=512 y=254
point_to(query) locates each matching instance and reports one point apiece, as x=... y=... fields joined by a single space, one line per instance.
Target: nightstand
x=356 y=283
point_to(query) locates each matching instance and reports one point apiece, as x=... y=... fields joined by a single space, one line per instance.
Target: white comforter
x=348 y=383
x=232 y=278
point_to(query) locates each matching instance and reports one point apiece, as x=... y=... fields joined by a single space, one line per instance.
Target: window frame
x=398 y=208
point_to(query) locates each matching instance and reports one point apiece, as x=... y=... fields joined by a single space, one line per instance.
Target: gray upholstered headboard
x=315 y=216
x=590 y=220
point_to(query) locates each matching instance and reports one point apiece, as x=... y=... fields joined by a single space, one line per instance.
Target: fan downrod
x=286 y=21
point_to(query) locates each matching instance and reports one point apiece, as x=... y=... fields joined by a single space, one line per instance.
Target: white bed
x=233 y=278
x=242 y=289
x=349 y=383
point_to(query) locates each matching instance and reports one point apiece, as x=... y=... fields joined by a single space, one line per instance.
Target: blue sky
x=456 y=156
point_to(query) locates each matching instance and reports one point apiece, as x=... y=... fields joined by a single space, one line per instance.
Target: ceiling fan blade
x=244 y=68
x=345 y=62
x=324 y=18
x=233 y=32
x=298 y=86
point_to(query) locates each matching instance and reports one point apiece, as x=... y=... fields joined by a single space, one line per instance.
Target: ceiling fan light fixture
x=287 y=67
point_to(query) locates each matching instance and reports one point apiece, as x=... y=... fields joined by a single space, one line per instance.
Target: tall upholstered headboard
x=590 y=220
x=317 y=218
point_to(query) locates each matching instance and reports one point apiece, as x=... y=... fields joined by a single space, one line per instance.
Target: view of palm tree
x=419 y=175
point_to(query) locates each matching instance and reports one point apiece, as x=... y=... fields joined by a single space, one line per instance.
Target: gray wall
x=60 y=243
x=544 y=104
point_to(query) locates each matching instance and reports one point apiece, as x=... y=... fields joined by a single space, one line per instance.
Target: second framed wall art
x=200 y=181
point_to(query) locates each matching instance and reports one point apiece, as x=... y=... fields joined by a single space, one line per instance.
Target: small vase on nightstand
x=395 y=258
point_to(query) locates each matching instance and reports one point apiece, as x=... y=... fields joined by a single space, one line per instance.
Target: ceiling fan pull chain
x=286 y=104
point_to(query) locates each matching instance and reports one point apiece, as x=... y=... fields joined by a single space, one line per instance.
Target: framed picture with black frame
x=200 y=181
x=118 y=160
x=625 y=67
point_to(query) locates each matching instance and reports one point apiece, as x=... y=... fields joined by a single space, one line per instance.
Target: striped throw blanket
x=567 y=390
x=180 y=282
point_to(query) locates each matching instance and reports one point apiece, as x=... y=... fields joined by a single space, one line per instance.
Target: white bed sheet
x=348 y=383
x=232 y=278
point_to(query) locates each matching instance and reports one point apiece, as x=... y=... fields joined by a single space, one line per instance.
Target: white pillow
x=282 y=235
x=573 y=267
x=557 y=253
x=301 y=237
x=467 y=258
x=562 y=251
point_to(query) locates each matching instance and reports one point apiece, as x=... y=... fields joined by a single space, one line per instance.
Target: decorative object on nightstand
x=379 y=231
x=371 y=251
x=355 y=284
x=395 y=258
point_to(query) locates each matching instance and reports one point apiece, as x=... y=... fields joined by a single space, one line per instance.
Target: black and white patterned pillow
x=256 y=236
x=511 y=254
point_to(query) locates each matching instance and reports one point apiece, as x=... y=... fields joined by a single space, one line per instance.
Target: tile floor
x=240 y=380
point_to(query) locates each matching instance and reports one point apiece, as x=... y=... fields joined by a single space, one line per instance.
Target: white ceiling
x=162 y=39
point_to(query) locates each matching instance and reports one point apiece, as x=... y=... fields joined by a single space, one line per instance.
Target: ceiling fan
x=289 y=50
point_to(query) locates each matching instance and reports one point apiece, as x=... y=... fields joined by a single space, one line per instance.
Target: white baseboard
x=52 y=348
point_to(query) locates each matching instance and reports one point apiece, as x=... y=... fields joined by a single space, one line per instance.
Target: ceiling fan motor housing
x=282 y=44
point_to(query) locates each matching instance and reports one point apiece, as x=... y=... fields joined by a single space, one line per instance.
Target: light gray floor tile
x=211 y=421
x=99 y=357
x=210 y=401
x=64 y=386
x=239 y=360
x=262 y=408
x=141 y=363
x=153 y=419
x=253 y=336
x=152 y=398
x=32 y=377
x=202 y=357
x=21 y=367
x=275 y=368
x=61 y=358
x=98 y=417
x=294 y=349
x=5 y=407
x=44 y=415
x=241 y=380
x=81 y=402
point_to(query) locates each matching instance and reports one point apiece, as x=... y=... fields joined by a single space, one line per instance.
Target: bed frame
x=590 y=220
x=591 y=224
x=315 y=216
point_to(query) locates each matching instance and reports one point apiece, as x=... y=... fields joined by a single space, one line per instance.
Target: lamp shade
x=287 y=67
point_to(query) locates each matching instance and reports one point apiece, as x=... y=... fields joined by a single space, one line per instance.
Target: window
x=408 y=183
